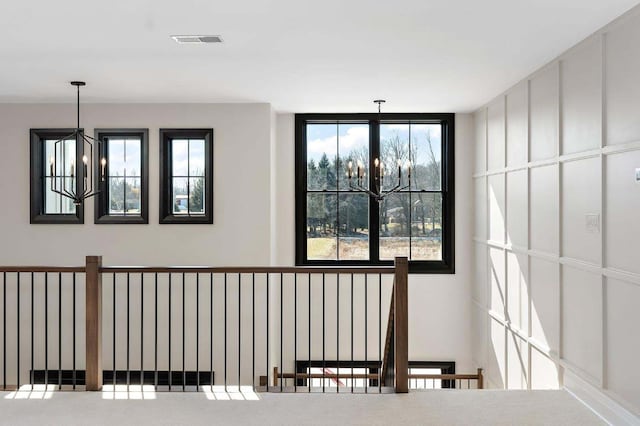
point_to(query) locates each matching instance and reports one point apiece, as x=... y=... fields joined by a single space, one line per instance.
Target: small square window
x=123 y=196
x=186 y=176
x=48 y=206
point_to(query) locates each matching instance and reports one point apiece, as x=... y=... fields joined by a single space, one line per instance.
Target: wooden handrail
x=249 y=269
x=38 y=269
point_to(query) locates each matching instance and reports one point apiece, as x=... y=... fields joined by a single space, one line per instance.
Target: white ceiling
x=298 y=55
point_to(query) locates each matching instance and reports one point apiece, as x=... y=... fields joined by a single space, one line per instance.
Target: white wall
x=439 y=308
x=239 y=130
x=555 y=301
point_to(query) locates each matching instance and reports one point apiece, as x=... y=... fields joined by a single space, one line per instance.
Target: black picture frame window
x=167 y=211
x=101 y=203
x=447 y=187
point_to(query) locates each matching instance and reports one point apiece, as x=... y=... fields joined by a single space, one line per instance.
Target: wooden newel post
x=93 y=282
x=401 y=325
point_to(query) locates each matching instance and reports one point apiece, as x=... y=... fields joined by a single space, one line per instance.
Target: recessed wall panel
x=495 y=135
x=480 y=216
x=623 y=341
x=497 y=211
x=623 y=211
x=497 y=286
x=517 y=291
x=582 y=320
x=517 y=209
x=544 y=114
x=496 y=355
x=544 y=372
x=581 y=210
x=544 y=211
x=622 y=83
x=479 y=286
x=517 y=362
x=517 y=125
x=545 y=304
x=581 y=75
x=480 y=123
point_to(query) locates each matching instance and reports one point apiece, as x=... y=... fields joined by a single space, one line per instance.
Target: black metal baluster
x=338 y=332
x=267 y=325
x=31 y=379
x=75 y=376
x=128 y=334
x=239 y=330
x=46 y=330
x=211 y=377
x=18 y=330
x=323 y=335
x=281 y=334
x=184 y=373
x=366 y=335
x=141 y=331
x=4 y=330
x=309 y=335
x=59 y=330
x=225 y=332
x=197 y=332
x=170 y=378
x=155 y=336
x=379 y=333
x=352 y=379
x=113 y=279
x=295 y=330
x=253 y=330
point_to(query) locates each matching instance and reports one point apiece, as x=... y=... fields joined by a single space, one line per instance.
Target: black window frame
x=37 y=181
x=166 y=175
x=101 y=207
x=447 y=120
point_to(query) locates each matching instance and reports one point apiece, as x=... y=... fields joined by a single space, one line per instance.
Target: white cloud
x=356 y=136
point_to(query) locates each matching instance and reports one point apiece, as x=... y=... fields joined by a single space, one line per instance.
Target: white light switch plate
x=593 y=223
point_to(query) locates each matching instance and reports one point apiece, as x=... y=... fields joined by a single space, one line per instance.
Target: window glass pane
x=321 y=222
x=322 y=151
x=180 y=159
x=196 y=196
x=395 y=212
x=133 y=162
x=132 y=194
x=353 y=231
x=115 y=159
x=426 y=226
x=426 y=156
x=196 y=157
x=116 y=195
x=394 y=150
x=55 y=203
x=353 y=144
x=180 y=196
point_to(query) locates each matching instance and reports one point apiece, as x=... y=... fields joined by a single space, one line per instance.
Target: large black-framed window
x=186 y=176
x=336 y=225
x=124 y=194
x=47 y=207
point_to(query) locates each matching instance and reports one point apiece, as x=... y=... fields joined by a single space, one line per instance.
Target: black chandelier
x=82 y=182
x=379 y=168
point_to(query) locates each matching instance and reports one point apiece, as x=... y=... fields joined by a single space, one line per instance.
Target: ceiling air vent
x=196 y=39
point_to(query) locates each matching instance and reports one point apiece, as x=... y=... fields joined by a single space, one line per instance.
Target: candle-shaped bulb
x=350 y=169
x=376 y=162
x=399 y=162
x=85 y=159
x=72 y=167
x=52 y=171
x=103 y=163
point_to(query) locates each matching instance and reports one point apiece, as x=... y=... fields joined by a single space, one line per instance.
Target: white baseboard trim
x=606 y=408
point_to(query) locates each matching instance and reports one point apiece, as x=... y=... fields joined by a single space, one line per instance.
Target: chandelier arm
x=394 y=190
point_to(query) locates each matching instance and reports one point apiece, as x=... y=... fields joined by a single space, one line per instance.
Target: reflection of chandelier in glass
x=378 y=193
x=80 y=183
